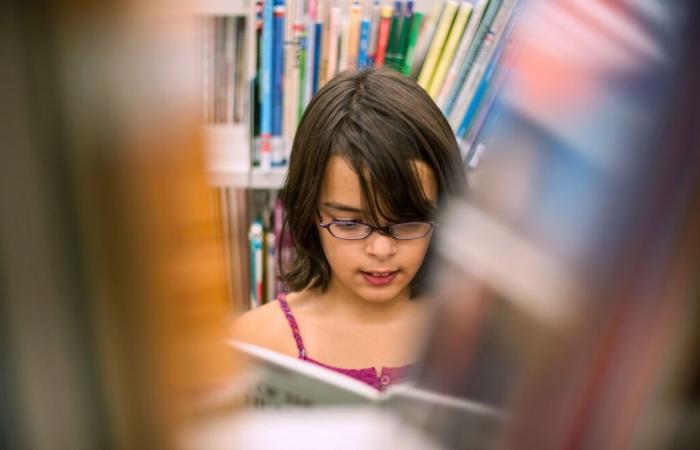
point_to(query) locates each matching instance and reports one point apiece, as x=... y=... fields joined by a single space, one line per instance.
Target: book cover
x=454 y=37
x=437 y=44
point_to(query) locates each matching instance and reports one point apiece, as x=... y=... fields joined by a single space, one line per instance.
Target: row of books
x=225 y=88
x=249 y=229
x=453 y=53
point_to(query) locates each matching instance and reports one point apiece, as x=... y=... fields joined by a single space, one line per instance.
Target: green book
x=411 y=44
x=403 y=40
x=392 y=45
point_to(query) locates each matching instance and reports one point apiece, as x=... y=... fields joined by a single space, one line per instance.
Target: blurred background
x=134 y=197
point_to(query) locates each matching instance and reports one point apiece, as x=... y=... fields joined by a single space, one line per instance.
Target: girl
x=372 y=163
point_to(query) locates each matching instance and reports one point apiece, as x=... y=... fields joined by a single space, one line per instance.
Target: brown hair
x=379 y=122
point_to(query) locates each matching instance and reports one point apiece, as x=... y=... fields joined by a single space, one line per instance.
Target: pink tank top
x=387 y=377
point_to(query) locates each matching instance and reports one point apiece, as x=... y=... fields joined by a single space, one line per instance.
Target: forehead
x=342 y=185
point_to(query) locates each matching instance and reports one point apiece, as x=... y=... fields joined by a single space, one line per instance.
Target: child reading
x=372 y=164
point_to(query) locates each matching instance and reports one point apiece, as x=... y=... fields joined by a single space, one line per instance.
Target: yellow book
x=465 y=10
x=443 y=28
x=353 y=34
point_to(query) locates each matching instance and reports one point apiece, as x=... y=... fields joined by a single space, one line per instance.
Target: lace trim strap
x=292 y=324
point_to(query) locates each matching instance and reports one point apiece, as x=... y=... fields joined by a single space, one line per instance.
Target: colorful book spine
x=425 y=38
x=394 y=34
x=448 y=52
x=334 y=33
x=375 y=19
x=318 y=48
x=277 y=148
x=353 y=34
x=485 y=85
x=461 y=53
x=290 y=78
x=363 y=46
x=481 y=63
x=266 y=87
x=326 y=17
x=437 y=44
x=411 y=44
x=255 y=237
x=383 y=35
x=406 y=22
x=344 y=44
x=300 y=31
x=270 y=267
x=310 y=42
x=489 y=16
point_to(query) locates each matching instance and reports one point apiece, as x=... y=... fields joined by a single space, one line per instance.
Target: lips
x=379 y=278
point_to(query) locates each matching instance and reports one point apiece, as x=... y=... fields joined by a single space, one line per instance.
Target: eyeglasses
x=355 y=230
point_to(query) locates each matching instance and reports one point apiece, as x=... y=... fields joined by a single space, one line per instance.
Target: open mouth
x=379 y=278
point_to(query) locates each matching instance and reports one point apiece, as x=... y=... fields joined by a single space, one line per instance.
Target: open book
x=278 y=380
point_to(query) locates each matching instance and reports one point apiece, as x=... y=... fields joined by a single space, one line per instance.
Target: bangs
x=384 y=157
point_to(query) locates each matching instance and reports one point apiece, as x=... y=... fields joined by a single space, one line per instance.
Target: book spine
x=255 y=237
x=277 y=143
x=482 y=62
x=411 y=44
x=363 y=47
x=400 y=55
x=310 y=44
x=394 y=34
x=425 y=38
x=383 y=35
x=334 y=31
x=438 y=43
x=242 y=104
x=290 y=78
x=353 y=34
x=343 y=47
x=326 y=17
x=489 y=16
x=266 y=87
x=376 y=16
x=461 y=53
x=454 y=37
x=301 y=31
x=270 y=267
x=486 y=87
x=318 y=48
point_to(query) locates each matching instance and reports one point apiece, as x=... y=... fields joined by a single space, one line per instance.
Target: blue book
x=362 y=61
x=266 y=86
x=318 y=39
x=277 y=80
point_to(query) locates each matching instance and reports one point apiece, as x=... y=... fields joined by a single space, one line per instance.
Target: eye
x=347 y=225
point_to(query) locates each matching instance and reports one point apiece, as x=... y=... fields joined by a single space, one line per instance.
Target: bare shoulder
x=265 y=326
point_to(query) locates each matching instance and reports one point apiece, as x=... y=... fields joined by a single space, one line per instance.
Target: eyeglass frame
x=383 y=230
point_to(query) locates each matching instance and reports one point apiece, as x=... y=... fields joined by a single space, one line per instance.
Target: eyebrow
x=342 y=207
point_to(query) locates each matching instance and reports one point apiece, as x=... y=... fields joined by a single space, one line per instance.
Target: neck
x=338 y=299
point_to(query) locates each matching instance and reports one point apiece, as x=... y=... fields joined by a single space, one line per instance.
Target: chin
x=379 y=295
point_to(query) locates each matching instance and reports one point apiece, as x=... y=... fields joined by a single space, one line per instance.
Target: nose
x=380 y=245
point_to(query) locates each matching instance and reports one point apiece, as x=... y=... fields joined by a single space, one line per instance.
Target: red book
x=383 y=35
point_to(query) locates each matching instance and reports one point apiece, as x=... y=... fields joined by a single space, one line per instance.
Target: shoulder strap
x=292 y=324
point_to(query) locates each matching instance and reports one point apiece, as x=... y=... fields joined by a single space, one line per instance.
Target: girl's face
x=378 y=268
